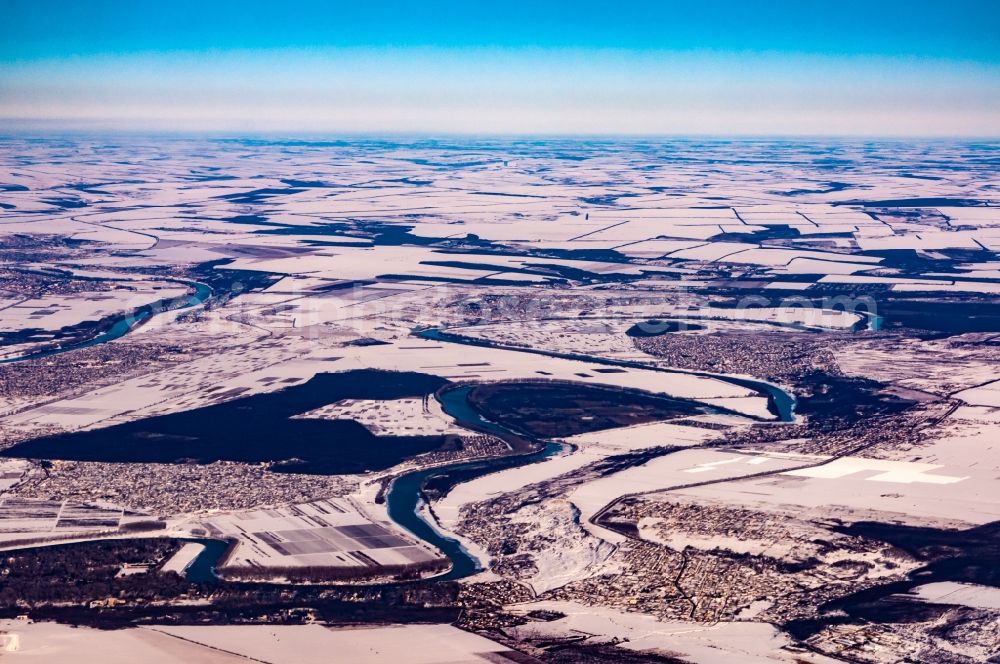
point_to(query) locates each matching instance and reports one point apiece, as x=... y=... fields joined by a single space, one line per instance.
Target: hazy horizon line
x=54 y=128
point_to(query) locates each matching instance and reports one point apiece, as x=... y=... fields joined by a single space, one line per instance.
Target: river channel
x=125 y=323
x=779 y=402
x=405 y=497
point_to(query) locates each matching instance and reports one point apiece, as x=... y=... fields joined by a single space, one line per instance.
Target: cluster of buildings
x=169 y=489
x=776 y=356
x=731 y=563
x=910 y=641
x=23 y=384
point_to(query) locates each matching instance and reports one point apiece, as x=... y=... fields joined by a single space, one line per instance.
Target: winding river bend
x=779 y=402
x=405 y=497
x=126 y=322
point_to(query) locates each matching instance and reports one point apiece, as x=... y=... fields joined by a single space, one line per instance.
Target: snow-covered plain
x=50 y=643
x=556 y=248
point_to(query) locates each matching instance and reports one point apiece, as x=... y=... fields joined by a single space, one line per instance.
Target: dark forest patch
x=961 y=556
x=554 y=409
x=919 y=202
x=844 y=399
x=946 y=317
x=60 y=582
x=654 y=327
x=258 y=429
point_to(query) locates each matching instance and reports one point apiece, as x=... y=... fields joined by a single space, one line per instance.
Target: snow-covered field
x=850 y=488
x=744 y=642
x=328 y=533
x=391 y=417
x=51 y=643
x=588 y=448
x=673 y=470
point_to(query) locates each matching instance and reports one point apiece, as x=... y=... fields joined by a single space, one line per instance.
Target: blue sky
x=708 y=67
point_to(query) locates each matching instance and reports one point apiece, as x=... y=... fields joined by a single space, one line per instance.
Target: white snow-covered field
x=589 y=448
x=52 y=643
x=742 y=642
x=39 y=518
x=983 y=395
x=53 y=312
x=673 y=470
x=641 y=436
x=914 y=492
x=11 y=472
x=392 y=417
x=962 y=594
x=181 y=560
x=325 y=533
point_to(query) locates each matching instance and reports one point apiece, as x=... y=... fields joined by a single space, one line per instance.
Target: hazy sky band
x=961 y=29
x=900 y=68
